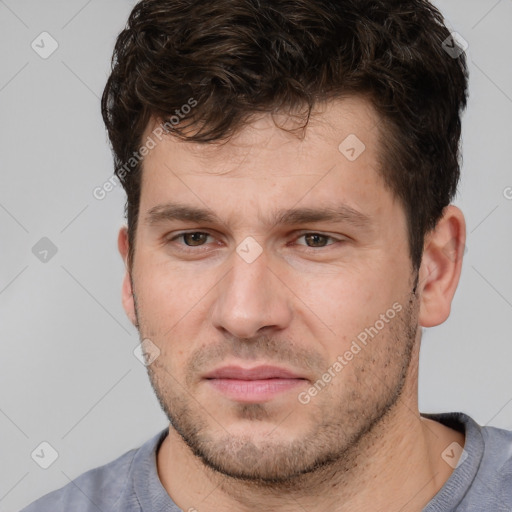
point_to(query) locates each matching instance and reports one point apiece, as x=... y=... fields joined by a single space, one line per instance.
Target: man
x=289 y=168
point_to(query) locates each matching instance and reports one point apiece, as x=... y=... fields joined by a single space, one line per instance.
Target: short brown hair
x=236 y=58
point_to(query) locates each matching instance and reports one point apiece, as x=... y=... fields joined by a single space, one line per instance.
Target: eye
x=186 y=241
x=196 y=238
x=191 y=238
x=316 y=240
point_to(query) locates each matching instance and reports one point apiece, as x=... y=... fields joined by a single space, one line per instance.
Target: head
x=254 y=116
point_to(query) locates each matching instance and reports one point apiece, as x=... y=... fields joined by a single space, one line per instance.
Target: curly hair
x=235 y=58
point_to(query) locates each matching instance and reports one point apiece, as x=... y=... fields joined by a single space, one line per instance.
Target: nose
x=251 y=299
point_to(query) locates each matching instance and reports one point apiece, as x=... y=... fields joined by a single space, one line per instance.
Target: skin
x=360 y=443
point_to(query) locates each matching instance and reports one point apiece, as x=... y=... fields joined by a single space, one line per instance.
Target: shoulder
x=96 y=489
x=491 y=484
x=102 y=488
x=482 y=479
x=496 y=467
x=498 y=445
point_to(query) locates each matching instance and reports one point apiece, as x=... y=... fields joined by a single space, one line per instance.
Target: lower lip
x=252 y=391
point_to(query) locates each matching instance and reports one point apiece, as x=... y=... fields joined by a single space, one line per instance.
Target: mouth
x=253 y=385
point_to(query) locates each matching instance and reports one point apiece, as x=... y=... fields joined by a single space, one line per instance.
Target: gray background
x=68 y=375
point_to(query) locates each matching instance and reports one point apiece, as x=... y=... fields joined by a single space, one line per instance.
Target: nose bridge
x=250 y=297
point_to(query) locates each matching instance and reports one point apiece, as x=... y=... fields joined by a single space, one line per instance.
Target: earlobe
x=127 y=291
x=441 y=267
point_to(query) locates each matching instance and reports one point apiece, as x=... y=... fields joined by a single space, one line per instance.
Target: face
x=272 y=274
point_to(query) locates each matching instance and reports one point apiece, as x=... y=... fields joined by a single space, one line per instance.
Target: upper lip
x=256 y=373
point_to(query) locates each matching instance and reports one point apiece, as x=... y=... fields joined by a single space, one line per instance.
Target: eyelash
x=306 y=248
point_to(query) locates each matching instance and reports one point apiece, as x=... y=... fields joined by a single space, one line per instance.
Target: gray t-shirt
x=482 y=482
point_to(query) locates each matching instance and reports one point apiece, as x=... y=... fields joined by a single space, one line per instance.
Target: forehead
x=329 y=124
x=264 y=164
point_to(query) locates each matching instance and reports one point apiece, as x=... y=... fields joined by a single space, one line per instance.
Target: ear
x=441 y=266
x=127 y=292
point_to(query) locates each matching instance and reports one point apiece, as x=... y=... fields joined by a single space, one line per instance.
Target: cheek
x=173 y=307
x=160 y=305
x=168 y=314
x=347 y=303
x=165 y=287
x=333 y=307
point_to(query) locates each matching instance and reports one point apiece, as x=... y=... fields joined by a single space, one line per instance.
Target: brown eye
x=191 y=243
x=316 y=240
x=195 y=238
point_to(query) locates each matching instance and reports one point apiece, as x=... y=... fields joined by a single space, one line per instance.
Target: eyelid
x=172 y=237
x=297 y=235
x=319 y=233
x=321 y=250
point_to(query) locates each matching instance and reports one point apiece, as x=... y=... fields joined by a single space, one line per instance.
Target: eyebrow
x=341 y=213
